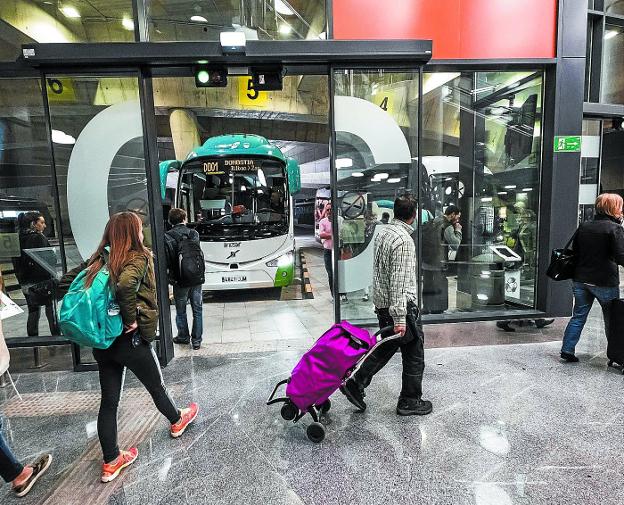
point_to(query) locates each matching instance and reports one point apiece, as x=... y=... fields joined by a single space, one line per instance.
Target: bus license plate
x=234 y=278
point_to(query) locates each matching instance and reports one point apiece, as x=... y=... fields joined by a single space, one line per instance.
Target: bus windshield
x=235 y=199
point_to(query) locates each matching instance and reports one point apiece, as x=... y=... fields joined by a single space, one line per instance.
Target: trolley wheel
x=610 y=363
x=316 y=432
x=289 y=411
x=325 y=406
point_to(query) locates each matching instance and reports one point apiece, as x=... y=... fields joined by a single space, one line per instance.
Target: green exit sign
x=568 y=144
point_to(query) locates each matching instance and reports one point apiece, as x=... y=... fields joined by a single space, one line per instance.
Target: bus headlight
x=283 y=261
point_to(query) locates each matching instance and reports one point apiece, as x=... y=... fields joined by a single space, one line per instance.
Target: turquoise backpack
x=90 y=316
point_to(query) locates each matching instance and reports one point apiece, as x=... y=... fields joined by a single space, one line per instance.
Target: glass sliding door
x=97 y=137
x=375 y=114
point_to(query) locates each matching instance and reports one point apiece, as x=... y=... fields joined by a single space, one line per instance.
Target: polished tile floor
x=511 y=425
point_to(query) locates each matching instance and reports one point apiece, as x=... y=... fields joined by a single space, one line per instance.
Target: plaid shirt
x=394 y=270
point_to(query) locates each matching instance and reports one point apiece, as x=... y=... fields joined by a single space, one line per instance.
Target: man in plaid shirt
x=395 y=294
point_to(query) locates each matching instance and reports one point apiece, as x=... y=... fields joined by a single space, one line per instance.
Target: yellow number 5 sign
x=250 y=97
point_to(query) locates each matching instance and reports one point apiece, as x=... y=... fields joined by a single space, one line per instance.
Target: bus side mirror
x=164 y=168
x=294 y=176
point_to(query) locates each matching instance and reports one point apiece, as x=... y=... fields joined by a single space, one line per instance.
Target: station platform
x=511 y=424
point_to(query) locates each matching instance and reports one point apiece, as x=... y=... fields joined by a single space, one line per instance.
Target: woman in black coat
x=598 y=250
x=36 y=282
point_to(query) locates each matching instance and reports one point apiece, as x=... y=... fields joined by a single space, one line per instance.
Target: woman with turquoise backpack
x=125 y=265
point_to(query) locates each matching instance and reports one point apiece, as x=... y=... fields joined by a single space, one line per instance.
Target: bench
x=36 y=342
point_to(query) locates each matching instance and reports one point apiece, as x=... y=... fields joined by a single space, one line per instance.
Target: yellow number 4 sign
x=250 y=97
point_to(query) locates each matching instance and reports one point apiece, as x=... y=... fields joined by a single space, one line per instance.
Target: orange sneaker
x=187 y=416
x=111 y=470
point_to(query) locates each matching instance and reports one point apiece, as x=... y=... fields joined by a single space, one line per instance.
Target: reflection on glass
x=376 y=121
x=612 y=70
x=258 y=19
x=98 y=153
x=614 y=7
x=28 y=221
x=56 y=21
x=481 y=155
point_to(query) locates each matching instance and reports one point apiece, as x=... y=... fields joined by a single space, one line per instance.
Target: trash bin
x=487 y=280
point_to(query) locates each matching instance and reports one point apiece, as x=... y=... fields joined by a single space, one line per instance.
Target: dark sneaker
x=354 y=393
x=413 y=407
x=542 y=323
x=180 y=340
x=196 y=347
x=569 y=357
x=505 y=325
x=39 y=468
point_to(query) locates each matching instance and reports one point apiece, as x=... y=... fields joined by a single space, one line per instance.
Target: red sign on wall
x=460 y=29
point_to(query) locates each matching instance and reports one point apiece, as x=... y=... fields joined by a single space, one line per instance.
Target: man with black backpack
x=186 y=267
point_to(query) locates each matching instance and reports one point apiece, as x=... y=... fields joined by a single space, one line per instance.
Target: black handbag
x=562 y=262
x=42 y=293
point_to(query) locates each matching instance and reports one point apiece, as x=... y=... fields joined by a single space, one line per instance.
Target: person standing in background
x=36 y=282
x=327 y=239
x=183 y=293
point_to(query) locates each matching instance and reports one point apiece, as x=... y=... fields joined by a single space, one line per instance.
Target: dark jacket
x=599 y=249
x=172 y=244
x=135 y=293
x=27 y=270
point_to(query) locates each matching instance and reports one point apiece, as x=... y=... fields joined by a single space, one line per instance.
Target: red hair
x=610 y=204
x=122 y=235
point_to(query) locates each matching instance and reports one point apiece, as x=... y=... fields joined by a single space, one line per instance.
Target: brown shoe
x=39 y=468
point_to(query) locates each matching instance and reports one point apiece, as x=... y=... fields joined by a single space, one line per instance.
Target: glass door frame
x=148 y=60
x=164 y=342
x=335 y=200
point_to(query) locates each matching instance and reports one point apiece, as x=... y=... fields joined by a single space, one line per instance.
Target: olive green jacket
x=135 y=293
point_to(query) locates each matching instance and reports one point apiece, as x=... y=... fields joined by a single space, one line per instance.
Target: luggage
x=321 y=371
x=90 y=316
x=615 y=337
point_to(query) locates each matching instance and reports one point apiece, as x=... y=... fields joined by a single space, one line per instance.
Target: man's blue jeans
x=181 y=295
x=584 y=296
x=10 y=468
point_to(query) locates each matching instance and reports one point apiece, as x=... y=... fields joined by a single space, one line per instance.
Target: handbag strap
x=571 y=241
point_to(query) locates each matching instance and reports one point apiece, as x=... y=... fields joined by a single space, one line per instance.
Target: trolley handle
x=382 y=330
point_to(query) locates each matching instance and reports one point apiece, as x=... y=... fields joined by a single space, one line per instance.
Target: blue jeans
x=584 y=296
x=10 y=468
x=181 y=295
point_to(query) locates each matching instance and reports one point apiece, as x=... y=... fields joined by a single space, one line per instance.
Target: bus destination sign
x=230 y=165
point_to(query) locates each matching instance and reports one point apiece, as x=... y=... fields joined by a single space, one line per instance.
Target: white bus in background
x=237 y=191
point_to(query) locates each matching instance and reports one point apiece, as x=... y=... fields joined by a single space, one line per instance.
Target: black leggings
x=143 y=363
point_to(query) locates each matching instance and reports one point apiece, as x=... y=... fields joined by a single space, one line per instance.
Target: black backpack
x=188 y=264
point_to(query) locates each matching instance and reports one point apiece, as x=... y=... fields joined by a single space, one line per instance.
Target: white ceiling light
x=128 y=24
x=60 y=137
x=285 y=29
x=70 y=12
x=344 y=163
x=394 y=180
x=486 y=199
x=510 y=186
x=357 y=174
x=382 y=175
x=610 y=34
x=502 y=192
x=199 y=19
x=283 y=9
x=527 y=189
